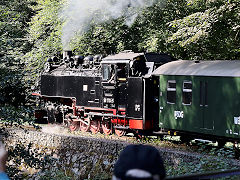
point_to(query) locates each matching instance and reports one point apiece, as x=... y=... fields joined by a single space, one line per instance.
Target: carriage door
x=205 y=104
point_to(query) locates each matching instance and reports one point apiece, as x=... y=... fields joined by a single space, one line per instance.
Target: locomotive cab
x=124 y=83
x=114 y=83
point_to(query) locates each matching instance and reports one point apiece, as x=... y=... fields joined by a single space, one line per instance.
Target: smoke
x=79 y=14
x=54 y=129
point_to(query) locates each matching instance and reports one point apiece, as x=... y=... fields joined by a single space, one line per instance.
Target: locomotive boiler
x=113 y=94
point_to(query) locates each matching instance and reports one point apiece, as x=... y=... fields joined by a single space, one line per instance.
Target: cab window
x=121 y=70
x=106 y=71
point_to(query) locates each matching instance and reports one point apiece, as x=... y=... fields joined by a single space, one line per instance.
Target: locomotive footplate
x=105 y=115
x=121 y=127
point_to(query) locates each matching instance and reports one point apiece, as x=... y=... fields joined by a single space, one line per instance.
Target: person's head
x=141 y=162
x=3 y=157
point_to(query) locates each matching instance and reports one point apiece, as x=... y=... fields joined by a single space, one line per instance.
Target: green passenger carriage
x=200 y=99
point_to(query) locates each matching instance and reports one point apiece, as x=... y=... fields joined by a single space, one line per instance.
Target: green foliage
x=12 y=88
x=102 y=176
x=212 y=159
x=211 y=34
x=59 y=175
x=14 y=19
x=45 y=36
x=11 y=115
x=205 y=164
x=101 y=39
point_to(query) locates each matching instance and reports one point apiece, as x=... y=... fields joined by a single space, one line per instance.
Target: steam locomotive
x=148 y=93
x=93 y=93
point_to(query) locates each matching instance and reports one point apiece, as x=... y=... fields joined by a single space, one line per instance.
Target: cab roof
x=128 y=55
x=225 y=68
x=122 y=57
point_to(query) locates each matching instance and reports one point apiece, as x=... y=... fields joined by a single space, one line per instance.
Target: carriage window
x=171 y=92
x=187 y=93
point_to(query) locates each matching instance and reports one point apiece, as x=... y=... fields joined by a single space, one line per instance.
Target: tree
x=211 y=34
x=45 y=36
x=14 y=19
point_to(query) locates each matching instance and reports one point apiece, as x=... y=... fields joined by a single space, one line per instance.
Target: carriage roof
x=225 y=68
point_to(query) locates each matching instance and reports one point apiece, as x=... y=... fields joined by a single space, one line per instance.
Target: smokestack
x=67 y=54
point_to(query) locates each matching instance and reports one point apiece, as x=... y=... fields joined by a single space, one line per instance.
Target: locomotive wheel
x=106 y=127
x=71 y=124
x=120 y=132
x=74 y=125
x=95 y=126
x=85 y=126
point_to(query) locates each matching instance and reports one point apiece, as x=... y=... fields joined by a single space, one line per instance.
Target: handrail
x=208 y=175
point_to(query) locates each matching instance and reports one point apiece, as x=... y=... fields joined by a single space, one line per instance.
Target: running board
x=121 y=127
x=104 y=115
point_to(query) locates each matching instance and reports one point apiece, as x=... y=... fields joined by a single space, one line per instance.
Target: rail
x=209 y=175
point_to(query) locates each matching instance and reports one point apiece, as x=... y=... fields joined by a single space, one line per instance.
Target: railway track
x=166 y=141
x=170 y=147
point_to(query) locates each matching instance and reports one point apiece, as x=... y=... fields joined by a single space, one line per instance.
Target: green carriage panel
x=202 y=98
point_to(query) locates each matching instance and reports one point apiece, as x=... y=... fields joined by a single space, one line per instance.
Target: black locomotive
x=116 y=93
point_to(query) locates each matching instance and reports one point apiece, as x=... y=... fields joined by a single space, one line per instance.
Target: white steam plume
x=79 y=14
x=54 y=129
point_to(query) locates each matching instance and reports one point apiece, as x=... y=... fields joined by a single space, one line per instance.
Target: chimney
x=67 y=54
